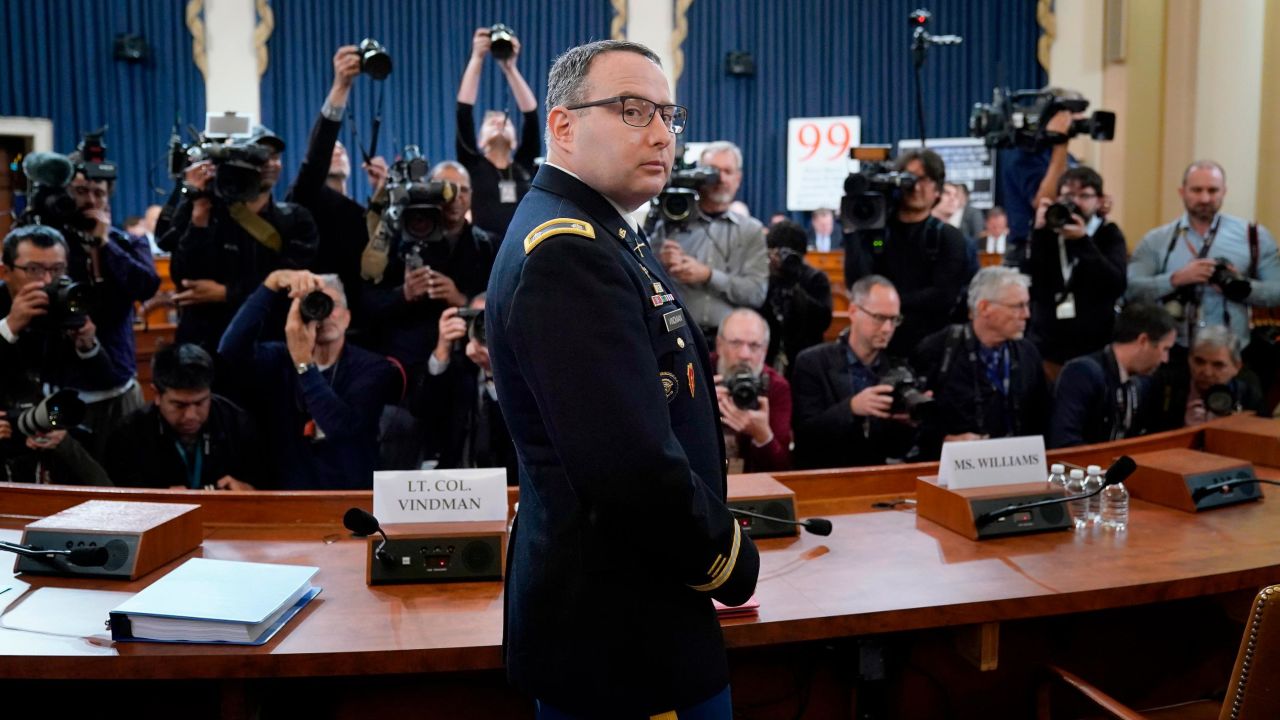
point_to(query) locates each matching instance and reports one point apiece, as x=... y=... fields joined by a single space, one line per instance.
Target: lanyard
x=193 y=471
x=1180 y=231
x=1067 y=267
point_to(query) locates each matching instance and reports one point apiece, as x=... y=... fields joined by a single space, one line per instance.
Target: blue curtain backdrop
x=429 y=43
x=57 y=60
x=819 y=58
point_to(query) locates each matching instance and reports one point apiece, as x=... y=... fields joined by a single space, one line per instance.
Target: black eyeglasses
x=638 y=112
x=882 y=319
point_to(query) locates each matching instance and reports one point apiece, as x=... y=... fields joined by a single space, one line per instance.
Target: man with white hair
x=719 y=260
x=1210 y=382
x=986 y=377
x=318 y=397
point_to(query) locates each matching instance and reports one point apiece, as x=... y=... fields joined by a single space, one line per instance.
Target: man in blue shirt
x=1178 y=264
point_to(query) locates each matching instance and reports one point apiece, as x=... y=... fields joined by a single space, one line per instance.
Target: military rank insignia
x=669 y=384
x=689 y=372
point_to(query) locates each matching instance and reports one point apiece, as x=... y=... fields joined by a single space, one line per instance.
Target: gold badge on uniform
x=669 y=384
x=622 y=233
x=688 y=370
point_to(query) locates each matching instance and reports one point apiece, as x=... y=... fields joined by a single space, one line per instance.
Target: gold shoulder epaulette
x=559 y=226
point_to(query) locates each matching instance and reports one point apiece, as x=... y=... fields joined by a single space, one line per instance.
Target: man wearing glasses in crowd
x=841 y=409
x=608 y=391
x=987 y=378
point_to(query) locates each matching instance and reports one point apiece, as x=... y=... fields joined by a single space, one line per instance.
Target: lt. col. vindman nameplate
x=1003 y=461
x=435 y=496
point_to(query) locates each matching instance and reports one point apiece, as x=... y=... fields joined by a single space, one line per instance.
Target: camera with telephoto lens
x=1220 y=400
x=908 y=396
x=475 y=324
x=677 y=204
x=745 y=386
x=501 y=46
x=237 y=167
x=790 y=263
x=415 y=206
x=1234 y=286
x=1017 y=120
x=375 y=61
x=1059 y=214
x=316 y=306
x=873 y=193
x=59 y=411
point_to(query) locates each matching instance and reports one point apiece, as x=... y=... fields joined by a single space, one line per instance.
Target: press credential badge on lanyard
x=1066 y=308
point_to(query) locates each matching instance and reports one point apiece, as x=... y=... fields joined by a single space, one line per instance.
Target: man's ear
x=561 y=124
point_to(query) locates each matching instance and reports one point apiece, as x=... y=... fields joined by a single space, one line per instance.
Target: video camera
x=415 y=206
x=678 y=201
x=48 y=201
x=93 y=157
x=873 y=193
x=61 y=410
x=745 y=387
x=238 y=167
x=1016 y=119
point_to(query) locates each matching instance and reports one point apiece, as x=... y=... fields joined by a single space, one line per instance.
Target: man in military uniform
x=622 y=538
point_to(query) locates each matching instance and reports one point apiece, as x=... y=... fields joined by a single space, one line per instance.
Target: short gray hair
x=721 y=146
x=861 y=288
x=748 y=313
x=989 y=281
x=452 y=165
x=1218 y=336
x=566 y=83
x=335 y=282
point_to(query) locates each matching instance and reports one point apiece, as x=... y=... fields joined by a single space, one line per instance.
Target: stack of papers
x=216 y=601
x=746 y=609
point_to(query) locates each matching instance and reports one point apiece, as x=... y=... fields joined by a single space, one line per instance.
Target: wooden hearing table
x=880 y=571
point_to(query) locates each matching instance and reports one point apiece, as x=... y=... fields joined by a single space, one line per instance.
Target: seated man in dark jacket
x=1105 y=395
x=987 y=379
x=458 y=401
x=188 y=438
x=319 y=397
x=1210 y=381
x=842 y=411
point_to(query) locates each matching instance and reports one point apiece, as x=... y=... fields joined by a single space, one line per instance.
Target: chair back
x=1254 y=691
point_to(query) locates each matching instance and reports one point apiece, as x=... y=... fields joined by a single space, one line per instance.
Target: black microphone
x=362 y=522
x=817 y=526
x=1201 y=493
x=1119 y=471
x=96 y=556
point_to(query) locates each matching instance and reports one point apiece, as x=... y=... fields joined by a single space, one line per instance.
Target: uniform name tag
x=674 y=319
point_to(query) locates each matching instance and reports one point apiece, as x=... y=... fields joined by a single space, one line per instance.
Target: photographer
x=988 y=380
x=843 y=412
x=1210 y=382
x=755 y=401
x=44 y=344
x=319 y=398
x=923 y=257
x=228 y=235
x=189 y=438
x=432 y=264
x=1206 y=267
x=500 y=169
x=719 y=260
x=798 y=306
x=321 y=183
x=1106 y=395
x=1077 y=270
x=457 y=398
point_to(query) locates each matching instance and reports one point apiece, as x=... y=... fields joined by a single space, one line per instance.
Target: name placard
x=430 y=496
x=1002 y=461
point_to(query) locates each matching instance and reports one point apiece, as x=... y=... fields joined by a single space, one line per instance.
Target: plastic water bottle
x=1115 y=508
x=1057 y=477
x=1093 y=483
x=1079 y=509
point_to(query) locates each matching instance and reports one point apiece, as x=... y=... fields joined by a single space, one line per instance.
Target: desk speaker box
x=957 y=510
x=1171 y=477
x=139 y=537
x=1247 y=437
x=438 y=552
x=763 y=495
